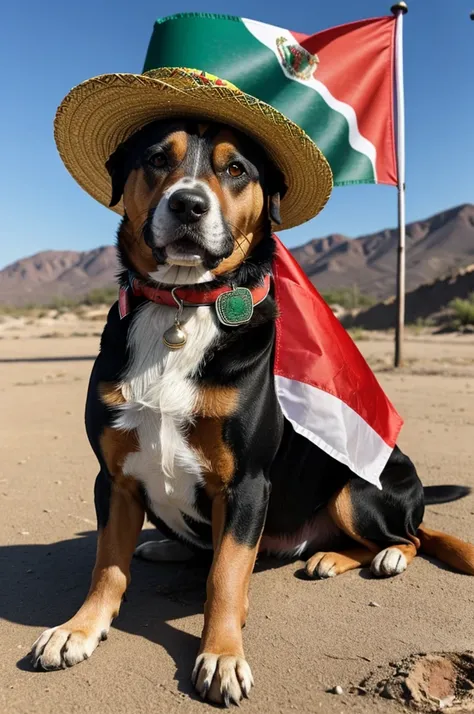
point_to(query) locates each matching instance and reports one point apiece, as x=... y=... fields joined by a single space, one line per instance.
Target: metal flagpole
x=399 y=10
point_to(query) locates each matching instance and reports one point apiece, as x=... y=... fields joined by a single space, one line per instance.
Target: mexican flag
x=337 y=84
x=324 y=386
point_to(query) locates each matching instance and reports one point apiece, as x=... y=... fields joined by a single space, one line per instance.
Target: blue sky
x=46 y=48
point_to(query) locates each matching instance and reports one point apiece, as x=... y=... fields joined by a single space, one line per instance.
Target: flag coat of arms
x=337 y=84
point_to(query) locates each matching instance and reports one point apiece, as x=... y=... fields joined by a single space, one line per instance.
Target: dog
x=194 y=438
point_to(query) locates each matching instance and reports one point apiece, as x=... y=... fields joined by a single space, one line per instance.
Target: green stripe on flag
x=222 y=45
x=330 y=132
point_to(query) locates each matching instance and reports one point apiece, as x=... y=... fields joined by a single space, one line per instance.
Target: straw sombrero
x=102 y=112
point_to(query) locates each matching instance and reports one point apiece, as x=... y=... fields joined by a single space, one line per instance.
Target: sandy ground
x=301 y=638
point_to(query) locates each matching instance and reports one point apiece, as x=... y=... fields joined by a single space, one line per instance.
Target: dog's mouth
x=185 y=251
x=189 y=248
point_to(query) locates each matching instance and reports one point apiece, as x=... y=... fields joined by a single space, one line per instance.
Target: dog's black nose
x=189 y=204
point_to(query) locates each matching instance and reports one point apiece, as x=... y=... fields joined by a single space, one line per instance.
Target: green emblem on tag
x=235 y=307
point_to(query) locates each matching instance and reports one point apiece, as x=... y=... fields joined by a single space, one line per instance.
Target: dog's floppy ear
x=274 y=208
x=276 y=190
x=116 y=165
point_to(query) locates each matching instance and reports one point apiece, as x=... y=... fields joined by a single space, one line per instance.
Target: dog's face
x=197 y=198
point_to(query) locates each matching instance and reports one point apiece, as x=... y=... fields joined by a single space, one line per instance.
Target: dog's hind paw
x=61 y=647
x=390 y=561
x=223 y=679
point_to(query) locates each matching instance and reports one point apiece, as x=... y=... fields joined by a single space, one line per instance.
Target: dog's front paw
x=64 y=646
x=222 y=678
x=324 y=565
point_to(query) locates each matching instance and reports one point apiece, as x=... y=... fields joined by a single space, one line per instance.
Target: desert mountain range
x=435 y=247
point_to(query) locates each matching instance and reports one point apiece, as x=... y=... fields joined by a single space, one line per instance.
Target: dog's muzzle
x=187 y=227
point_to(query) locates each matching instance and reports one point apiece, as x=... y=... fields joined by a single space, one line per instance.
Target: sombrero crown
x=102 y=112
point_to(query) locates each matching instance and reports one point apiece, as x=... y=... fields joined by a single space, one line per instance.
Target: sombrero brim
x=99 y=114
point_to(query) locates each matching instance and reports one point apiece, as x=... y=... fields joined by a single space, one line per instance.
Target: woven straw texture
x=99 y=114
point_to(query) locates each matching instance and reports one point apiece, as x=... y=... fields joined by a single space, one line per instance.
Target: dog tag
x=235 y=307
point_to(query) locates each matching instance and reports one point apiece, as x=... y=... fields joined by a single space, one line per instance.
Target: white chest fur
x=160 y=395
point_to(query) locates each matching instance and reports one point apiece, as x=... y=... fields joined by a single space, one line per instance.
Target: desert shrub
x=349 y=298
x=420 y=324
x=463 y=310
x=101 y=296
x=61 y=303
x=357 y=334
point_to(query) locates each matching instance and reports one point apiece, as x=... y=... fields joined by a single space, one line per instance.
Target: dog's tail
x=450 y=550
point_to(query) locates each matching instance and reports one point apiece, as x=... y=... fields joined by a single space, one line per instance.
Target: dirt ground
x=302 y=637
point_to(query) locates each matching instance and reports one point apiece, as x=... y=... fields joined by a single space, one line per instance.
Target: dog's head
x=198 y=198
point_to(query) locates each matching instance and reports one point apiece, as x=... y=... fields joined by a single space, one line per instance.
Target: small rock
x=46 y=510
x=24 y=532
x=387 y=692
x=358 y=690
x=336 y=690
x=446 y=702
x=267 y=617
x=373 y=604
x=23 y=461
x=58 y=482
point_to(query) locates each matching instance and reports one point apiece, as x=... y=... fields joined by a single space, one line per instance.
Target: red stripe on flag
x=313 y=347
x=356 y=64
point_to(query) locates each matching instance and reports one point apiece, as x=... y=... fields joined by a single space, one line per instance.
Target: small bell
x=175 y=337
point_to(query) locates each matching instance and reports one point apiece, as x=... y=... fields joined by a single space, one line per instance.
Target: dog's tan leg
x=76 y=639
x=221 y=671
x=327 y=565
x=384 y=562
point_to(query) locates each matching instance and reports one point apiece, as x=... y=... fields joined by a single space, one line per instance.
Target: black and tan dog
x=195 y=437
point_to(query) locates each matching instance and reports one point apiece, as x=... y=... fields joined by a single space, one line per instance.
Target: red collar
x=189 y=297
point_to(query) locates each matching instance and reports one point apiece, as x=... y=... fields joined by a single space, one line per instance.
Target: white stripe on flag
x=267 y=35
x=333 y=426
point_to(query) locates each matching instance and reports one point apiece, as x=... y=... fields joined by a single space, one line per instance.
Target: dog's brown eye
x=158 y=160
x=235 y=170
